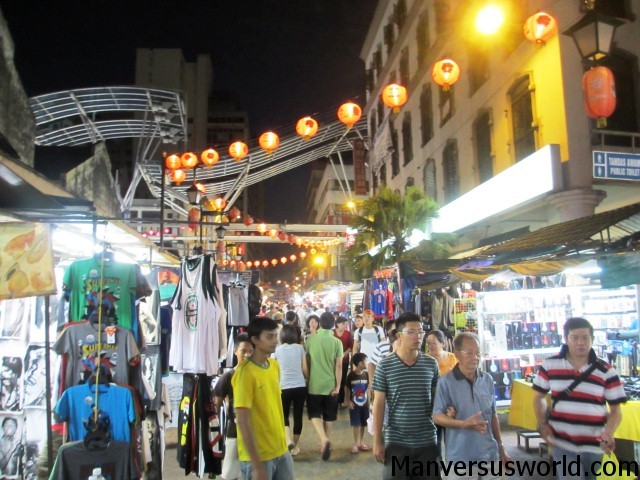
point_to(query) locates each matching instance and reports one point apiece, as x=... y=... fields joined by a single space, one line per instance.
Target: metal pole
x=162 y=178
x=47 y=370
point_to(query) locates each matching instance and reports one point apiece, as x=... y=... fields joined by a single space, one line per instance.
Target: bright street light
x=489 y=20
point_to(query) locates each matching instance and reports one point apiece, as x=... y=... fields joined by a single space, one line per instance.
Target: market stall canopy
x=30 y=197
x=547 y=251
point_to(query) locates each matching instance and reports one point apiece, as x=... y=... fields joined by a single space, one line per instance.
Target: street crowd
x=422 y=403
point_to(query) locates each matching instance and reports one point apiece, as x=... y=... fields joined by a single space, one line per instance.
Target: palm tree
x=386 y=222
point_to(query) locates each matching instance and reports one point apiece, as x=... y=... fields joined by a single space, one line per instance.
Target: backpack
x=376 y=328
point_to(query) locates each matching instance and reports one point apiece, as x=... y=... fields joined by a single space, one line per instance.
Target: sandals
x=326 y=452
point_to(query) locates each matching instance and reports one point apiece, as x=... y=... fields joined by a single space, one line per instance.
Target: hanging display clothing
x=76 y=462
x=198 y=326
x=199 y=431
x=238 y=311
x=82 y=279
x=379 y=297
x=76 y=407
x=79 y=343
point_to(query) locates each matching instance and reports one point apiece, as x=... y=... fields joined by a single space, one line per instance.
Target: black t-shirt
x=223 y=389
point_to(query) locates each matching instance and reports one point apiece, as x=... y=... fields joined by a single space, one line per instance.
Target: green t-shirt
x=82 y=278
x=323 y=349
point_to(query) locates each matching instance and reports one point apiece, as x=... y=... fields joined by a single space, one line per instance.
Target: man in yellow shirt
x=262 y=445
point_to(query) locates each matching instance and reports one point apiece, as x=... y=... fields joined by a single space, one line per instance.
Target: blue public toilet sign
x=616 y=165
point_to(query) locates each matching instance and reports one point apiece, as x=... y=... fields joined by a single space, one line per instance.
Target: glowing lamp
x=599 y=94
x=540 y=27
x=283 y=260
x=306 y=127
x=238 y=150
x=265 y=263
x=262 y=228
x=172 y=162
x=219 y=203
x=178 y=176
x=249 y=264
x=273 y=233
x=313 y=251
x=445 y=73
x=188 y=160
x=240 y=249
x=209 y=157
x=394 y=96
x=349 y=113
x=274 y=262
x=293 y=258
x=269 y=141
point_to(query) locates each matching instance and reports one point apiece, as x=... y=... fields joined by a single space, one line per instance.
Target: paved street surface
x=343 y=464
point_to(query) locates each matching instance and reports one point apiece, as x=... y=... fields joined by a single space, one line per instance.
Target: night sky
x=283 y=58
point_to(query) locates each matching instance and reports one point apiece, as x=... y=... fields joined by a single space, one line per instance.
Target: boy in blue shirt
x=356 y=390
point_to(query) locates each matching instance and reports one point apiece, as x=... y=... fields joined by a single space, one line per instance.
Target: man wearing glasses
x=406 y=380
x=474 y=435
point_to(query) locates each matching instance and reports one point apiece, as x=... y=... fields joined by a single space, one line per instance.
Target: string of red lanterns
x=274 y=262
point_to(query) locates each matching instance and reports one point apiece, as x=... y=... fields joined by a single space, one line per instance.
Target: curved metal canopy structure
x=154 y=117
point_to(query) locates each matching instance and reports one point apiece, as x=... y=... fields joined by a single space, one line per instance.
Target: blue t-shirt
x=117 y=402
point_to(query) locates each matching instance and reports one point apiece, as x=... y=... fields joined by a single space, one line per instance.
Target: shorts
x=322 y=406
x=359 y=415
x=230 y=464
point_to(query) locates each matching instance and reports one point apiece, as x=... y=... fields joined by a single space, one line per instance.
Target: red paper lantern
x=219 y=203
x=194 y=218
x=172 y=162
x=249 y=264
x=445 y=73
x=240 y=250
x=248 y=220
x=349 y=113
x=540 y=27
x=235 y=214
x=599 y=94
x=269 y=141
x=306 y=127
x=178 y=176
x=209 y=157
x=188 y=160
x=265 y=263
x=274 y=262
x=262 y=228
x=303 y=254
x=273 y=233
x=283 y=260
x=240 y=266
x=293 y=258
x=282 y=236
x=238 y=150
x=394 y=96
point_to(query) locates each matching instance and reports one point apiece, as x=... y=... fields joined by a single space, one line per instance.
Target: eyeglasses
x=419 y=333
x=469 y=353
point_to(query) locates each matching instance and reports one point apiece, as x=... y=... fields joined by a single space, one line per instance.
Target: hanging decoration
x=349 y=113
x=172 y=162
x=178 y=176
x=394 y=96
x=306 y=127
x=269 y=141
x=189 y=160
x=209 y=157
x=238 y=150
x=540 y=27
x=599 y=94
x=194 y=218
x=445 y=73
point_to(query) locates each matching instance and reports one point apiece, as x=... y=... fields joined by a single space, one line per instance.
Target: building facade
x=516 y=104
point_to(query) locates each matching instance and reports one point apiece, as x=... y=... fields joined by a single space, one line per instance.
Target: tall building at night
x=509 y=146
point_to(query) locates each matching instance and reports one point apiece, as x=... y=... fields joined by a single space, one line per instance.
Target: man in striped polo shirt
x=406 y=380
x=578 y=426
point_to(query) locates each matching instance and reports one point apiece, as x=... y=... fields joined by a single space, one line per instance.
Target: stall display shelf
x=465 y=314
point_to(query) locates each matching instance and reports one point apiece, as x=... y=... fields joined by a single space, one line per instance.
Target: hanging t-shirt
x=79 y=341
x=76 y=462
x=82 y=279
x=238 y=315
x=76 y=403
x=379 y=298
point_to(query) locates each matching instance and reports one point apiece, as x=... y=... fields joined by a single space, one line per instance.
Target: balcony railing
x=625 y=141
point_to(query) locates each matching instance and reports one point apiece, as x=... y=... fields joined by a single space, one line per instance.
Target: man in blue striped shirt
x=406 y=380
